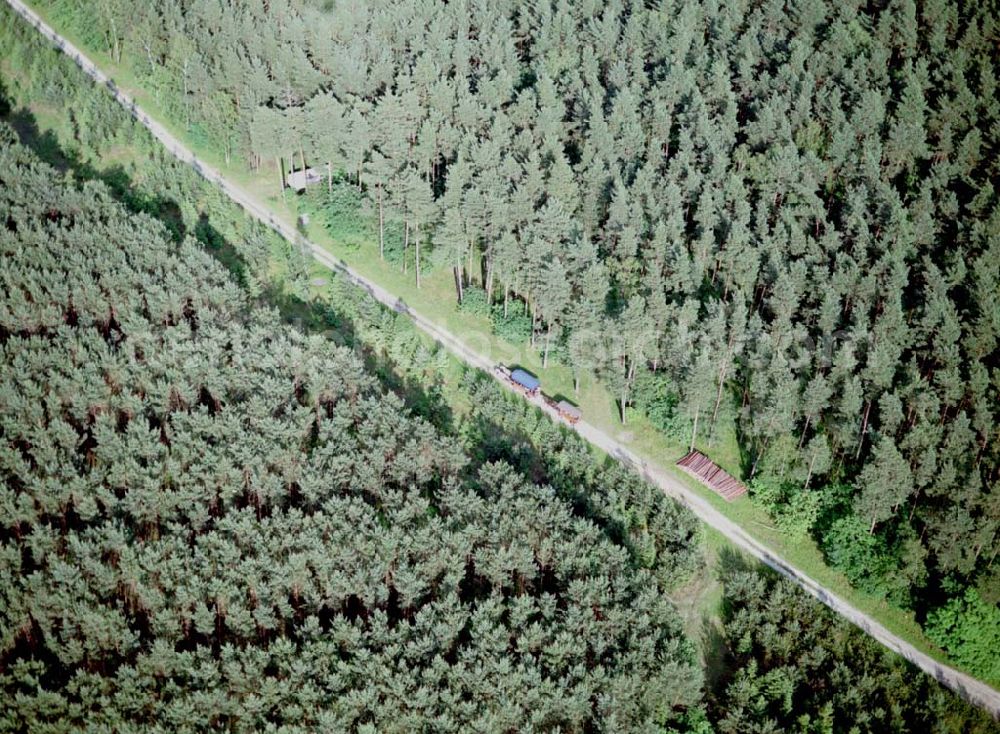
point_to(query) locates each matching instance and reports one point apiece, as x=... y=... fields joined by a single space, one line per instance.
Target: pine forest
x=237 y=493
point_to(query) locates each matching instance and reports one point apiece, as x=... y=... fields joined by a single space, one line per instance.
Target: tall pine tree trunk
x=281 y=175
x=545 y=353
x=114 y=46
x=763 y=449
x=406 y=240
x=805 y=428
x=457 y=271
x=694 y=428
x=916 y=500
x=416 y=244
x=629 y=379
x=381 y=223
x=470 y=263
x=534 y=318
x=864 y=427
x=718 y=398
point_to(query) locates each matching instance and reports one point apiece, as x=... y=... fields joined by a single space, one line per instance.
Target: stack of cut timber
x=712 y=475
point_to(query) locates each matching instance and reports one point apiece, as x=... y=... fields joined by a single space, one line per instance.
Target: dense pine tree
x=800 y=668
x=798 y=199
x=213 y=521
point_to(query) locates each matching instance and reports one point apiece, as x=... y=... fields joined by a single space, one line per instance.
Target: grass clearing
x=699 y=604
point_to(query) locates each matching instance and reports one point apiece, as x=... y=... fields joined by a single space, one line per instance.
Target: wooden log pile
x=712 y=475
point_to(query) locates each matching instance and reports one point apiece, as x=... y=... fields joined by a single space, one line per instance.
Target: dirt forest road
x=965 y=685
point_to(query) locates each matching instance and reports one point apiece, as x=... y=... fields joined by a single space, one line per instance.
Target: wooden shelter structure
x=712 y=475
x=298 y=180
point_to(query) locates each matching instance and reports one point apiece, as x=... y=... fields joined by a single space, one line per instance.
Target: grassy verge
x=805 y=555
x=699 y=603
x=436 y=301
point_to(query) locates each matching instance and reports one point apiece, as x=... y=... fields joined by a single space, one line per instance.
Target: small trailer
x=570 y=413
x=566 y=410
